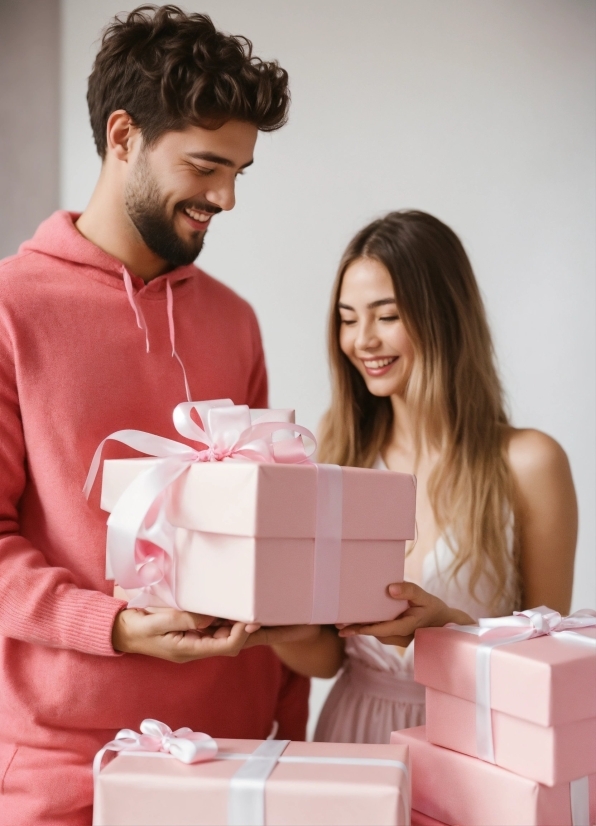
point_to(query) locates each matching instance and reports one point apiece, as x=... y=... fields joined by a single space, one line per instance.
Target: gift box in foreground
x=457 y=789
x=538 y=703
x=250 y=782
x=274 y=542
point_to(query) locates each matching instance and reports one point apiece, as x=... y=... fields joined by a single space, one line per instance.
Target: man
x=92 y=311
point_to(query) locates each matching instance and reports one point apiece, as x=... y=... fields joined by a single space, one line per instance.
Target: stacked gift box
x=510 y=735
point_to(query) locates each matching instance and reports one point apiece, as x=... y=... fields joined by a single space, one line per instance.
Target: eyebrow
x=380 y=303
x=213 y=158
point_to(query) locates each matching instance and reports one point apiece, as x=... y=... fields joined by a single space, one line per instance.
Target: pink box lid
x=274 y=500
x=545 y=680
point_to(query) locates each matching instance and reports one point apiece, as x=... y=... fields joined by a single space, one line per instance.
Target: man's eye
x=204 y=171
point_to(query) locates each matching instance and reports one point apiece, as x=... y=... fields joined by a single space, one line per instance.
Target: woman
x=415 y=390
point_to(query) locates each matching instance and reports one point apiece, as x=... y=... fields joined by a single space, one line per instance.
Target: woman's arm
x=310 y=650
x=546 y=509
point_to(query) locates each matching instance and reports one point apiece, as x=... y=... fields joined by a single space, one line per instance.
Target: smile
x=201 y=217
x=379 y=366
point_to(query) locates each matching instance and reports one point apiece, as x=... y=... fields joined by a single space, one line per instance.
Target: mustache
x=199 y=206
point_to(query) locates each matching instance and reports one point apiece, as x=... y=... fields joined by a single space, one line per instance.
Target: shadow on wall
x=29 y=117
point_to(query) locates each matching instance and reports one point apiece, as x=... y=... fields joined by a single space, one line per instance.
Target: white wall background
x=479 y=111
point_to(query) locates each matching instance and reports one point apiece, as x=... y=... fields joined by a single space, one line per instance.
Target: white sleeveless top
x=376 y=692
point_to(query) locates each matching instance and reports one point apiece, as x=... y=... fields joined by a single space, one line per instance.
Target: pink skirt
x=365 y=705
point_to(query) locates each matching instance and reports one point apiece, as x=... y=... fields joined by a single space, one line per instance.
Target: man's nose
x=223 y=196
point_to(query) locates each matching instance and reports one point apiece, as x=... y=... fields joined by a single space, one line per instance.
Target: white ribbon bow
x=184 y=744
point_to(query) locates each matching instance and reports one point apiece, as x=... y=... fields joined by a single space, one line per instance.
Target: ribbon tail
x=129 y=514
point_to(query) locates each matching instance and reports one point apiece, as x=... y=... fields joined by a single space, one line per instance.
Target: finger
x=409 y=591
x=252 y=627
x=403 y=626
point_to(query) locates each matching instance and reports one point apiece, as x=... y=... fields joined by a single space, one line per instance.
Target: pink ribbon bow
x=140 y=540
x=184 y=744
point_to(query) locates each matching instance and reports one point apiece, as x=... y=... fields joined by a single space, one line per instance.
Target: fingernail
x=395 y=589
x=346 y=632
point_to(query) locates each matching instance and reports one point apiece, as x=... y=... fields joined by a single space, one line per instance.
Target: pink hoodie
x=74 y=367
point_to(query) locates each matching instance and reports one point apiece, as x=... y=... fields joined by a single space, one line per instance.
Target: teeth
x=197 y=216
x=377 y=363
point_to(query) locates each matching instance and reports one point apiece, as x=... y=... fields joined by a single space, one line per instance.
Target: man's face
x=176 y=186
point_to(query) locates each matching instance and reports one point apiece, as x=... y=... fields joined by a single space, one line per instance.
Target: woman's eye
x=389 y=318
x=347 y=321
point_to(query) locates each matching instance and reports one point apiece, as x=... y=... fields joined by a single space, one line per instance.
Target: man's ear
x=121 y=135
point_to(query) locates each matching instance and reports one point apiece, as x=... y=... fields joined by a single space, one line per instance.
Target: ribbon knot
x=184 y=744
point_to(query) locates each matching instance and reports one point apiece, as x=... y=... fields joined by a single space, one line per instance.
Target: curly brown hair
x=169 y=69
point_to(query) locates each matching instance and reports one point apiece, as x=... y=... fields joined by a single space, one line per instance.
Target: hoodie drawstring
x=142 y=324
x=172 y=330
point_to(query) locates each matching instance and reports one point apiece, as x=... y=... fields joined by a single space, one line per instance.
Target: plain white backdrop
x=481 y=112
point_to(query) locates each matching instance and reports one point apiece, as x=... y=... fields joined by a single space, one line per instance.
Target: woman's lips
x=381 y=365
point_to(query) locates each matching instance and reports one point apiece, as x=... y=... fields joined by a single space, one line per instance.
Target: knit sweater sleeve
x=39 y=603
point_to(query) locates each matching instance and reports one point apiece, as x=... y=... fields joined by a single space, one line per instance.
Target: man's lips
x=380 y=365
x=197 y=219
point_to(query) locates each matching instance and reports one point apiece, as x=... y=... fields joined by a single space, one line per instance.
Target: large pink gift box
x=457 y=789
x=245 y=542
x=311 y=784
x=542 y=700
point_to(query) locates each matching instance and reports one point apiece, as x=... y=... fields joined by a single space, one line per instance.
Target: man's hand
x=424 y=610
x=178 y=636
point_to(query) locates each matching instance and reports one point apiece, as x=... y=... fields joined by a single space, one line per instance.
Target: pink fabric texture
x=74 y=367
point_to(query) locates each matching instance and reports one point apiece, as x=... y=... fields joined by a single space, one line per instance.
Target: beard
x=147 y=209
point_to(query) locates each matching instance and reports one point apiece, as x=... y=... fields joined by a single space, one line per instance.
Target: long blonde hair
x=454 y=392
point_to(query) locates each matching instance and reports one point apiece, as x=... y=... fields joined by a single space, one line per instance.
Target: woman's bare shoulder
x=533 y=453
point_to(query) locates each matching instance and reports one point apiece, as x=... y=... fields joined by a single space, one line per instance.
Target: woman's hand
x=424 y=610
x=178 y=636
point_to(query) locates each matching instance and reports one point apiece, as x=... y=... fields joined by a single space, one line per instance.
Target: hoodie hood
x=58 y=237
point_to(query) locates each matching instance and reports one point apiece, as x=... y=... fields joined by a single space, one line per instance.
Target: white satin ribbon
x=579 y=791
x=328 y=534
x=246 y=795
x=522 y=625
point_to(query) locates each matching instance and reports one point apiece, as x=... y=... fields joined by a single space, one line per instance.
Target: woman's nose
x=366 y=337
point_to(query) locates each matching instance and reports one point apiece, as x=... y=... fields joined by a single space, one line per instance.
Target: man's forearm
x=321 y=656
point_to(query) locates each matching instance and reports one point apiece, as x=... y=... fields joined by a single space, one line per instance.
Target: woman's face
x=372 y=334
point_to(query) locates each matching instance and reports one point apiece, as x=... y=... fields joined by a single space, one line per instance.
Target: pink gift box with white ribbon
x=156 y=780
x=454 y=788
x=248 y=528
x=518 y=691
